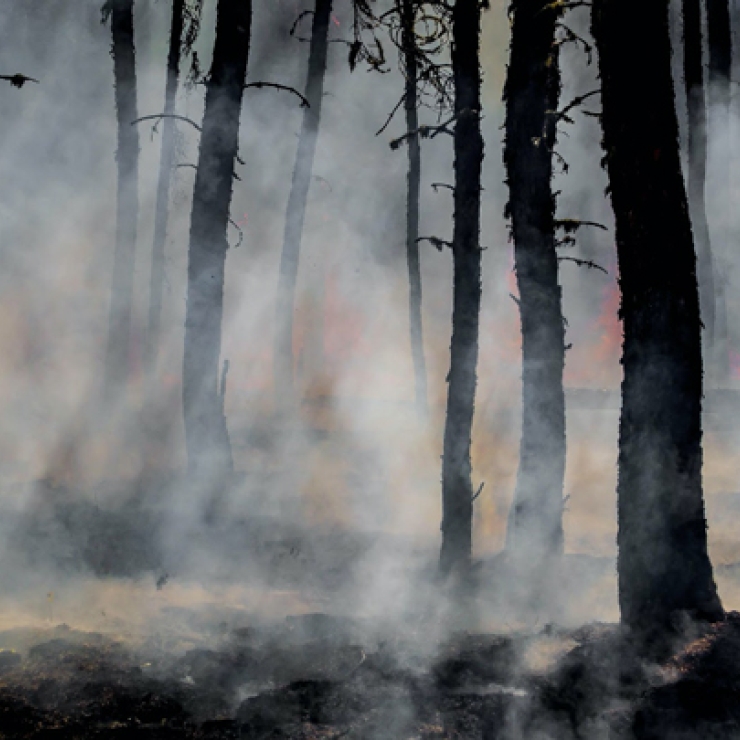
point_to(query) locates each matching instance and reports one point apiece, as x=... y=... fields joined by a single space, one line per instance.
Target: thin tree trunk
x=663 y=566
x=408 y=42
x=285 y=391
x=697 y=165
x=532 y=94
x=457 y=490
x=209 y=450
x=719 y=41
x=166 y=164
x=119 y=325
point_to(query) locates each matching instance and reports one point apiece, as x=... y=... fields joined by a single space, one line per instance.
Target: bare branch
x=562 y=115
x=478 y=492
x=241 y=233
x=437 y=185
x=277 y=86
x=571 y=37
x=300 y=17
x=435 y=242
x=390 y=117
x=566 y=241
x=583 y=263
x=571 y=225
x=563 y=161
x=426 y=132
x=159 y=116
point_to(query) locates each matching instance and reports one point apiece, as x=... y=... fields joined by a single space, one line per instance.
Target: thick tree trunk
x=285 y=392
x=719 y=41
x=209 y=451
x=532 y=94
x=457 y=490
x=697 y=160
x=663 y=566
x=119 y=325
x=408 y=41
x=166 y=164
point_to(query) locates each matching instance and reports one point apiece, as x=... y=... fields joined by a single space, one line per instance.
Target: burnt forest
x=370 y=369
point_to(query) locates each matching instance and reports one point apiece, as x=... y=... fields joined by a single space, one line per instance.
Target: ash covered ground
x=263 y=629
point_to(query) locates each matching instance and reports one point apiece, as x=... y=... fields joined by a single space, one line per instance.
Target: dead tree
x=166 y=165
x=121 y=16
x=294 y=219
x=663 y=566
x=697 y=161
x=420 y=30
x=208 y=446
x=535 y=530
x=457 y=488
x=719 y=42
x=407 y=14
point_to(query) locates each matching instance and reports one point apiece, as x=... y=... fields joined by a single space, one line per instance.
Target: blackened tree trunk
x=457 y=490
x=121 y=16
x=166 y=164
x=532 y=95
x=209 y=451
x=697 y=160
x=719 y=41
x=409 y=49
x=663 y=566
x=285 y=392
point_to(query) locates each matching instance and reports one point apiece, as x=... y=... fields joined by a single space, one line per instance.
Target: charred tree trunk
x=532 y=94
x=166 y=164
x=663 y=566
x=408 y=42
x=209 y=450
x=697 y=160
x=457 y=490
x=285 y=392
x=719 y=41
x=121 y=16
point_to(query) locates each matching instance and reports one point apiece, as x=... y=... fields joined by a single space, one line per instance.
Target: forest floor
x=151 y=645
x=311 y=677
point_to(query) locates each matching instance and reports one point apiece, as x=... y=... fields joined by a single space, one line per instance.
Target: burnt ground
x=320 y=675
x=311 y=677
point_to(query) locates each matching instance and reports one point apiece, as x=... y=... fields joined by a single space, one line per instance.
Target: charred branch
x=436 y=242
x=583 y=263
x=277 y=86
x=395 y=110
x=425 y=132
x=160 y=116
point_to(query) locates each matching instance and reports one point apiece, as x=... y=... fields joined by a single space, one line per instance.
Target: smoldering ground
x=337 y=513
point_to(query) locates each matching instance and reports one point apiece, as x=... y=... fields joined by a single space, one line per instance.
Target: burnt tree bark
x=697 y=164
x=410 y=61
x=285 y=392
x=208 y=447
x=663 y=566
x=532 y=93
x=121 y=16
x=457 y=490
x=719 y=42
x=166 y=165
